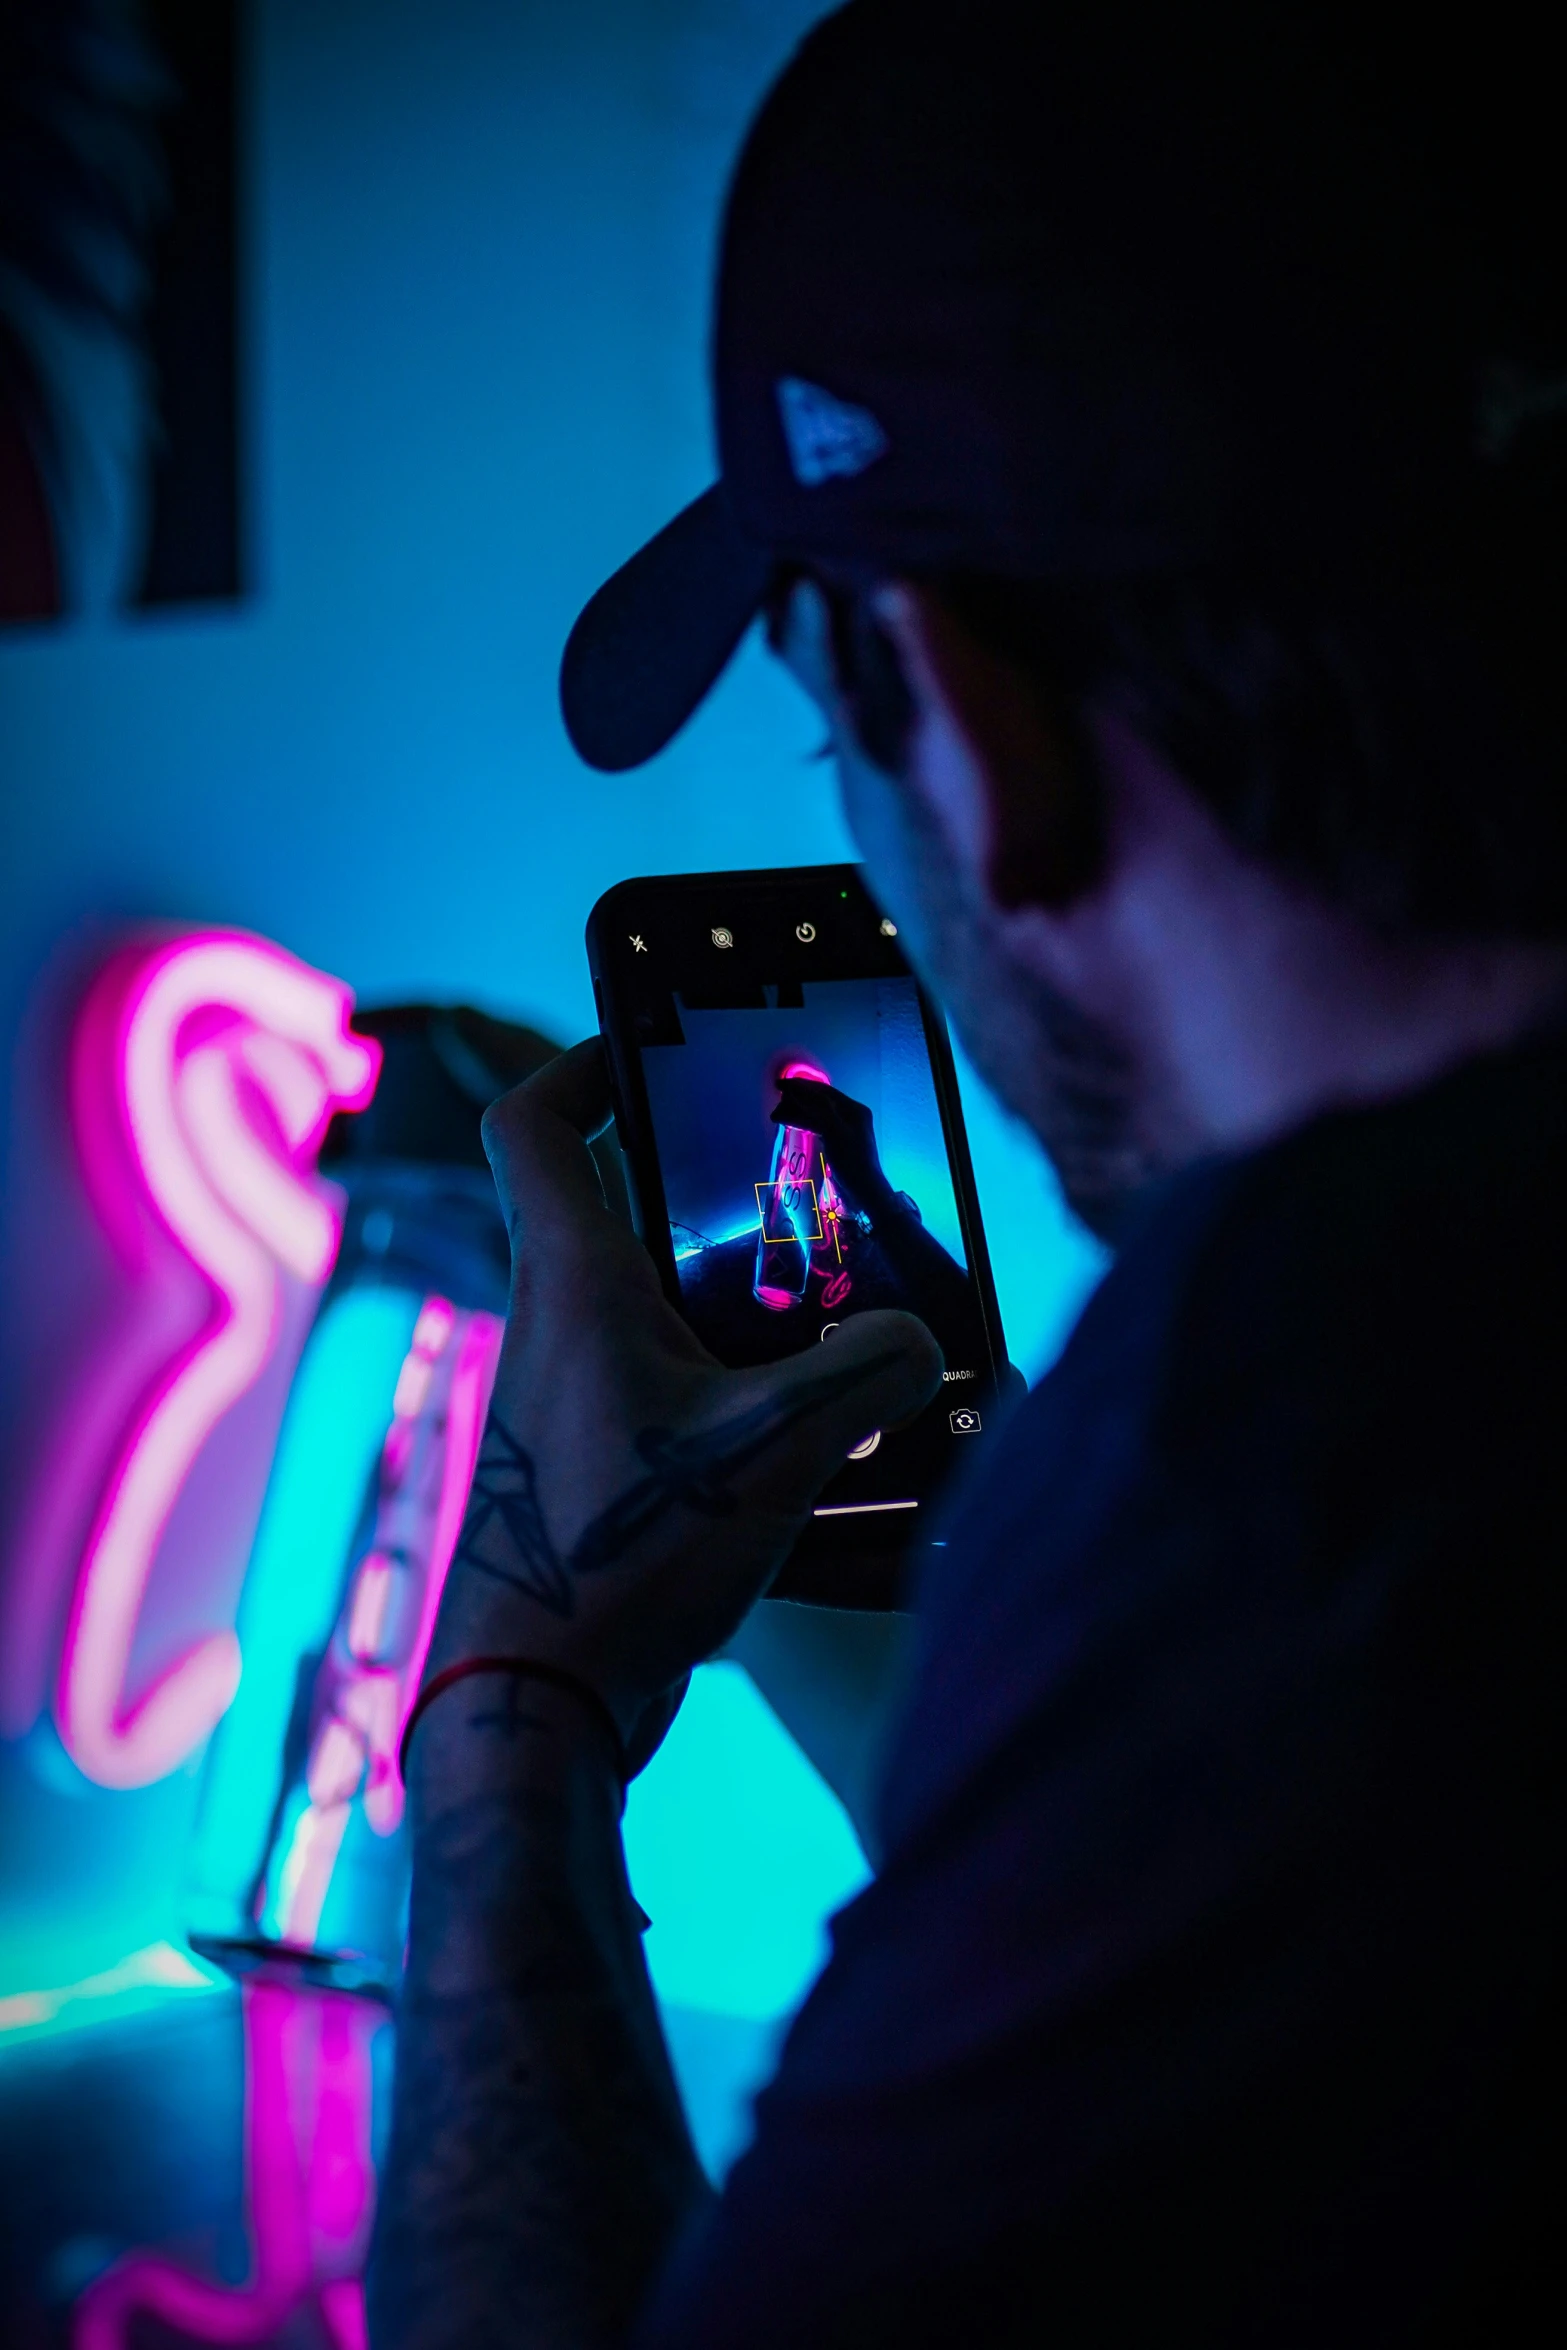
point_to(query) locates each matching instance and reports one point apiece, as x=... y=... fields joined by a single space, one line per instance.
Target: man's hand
x=633 y=1497
x=848 y=1133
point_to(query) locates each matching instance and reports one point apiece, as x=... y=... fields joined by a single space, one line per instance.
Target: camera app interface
x=805 y=1170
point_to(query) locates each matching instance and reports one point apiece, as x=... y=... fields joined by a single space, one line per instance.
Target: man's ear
x=998 y=756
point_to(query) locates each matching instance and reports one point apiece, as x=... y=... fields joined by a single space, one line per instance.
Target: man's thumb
x=872 y=1372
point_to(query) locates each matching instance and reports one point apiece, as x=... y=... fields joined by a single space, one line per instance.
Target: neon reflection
x=802 y=1217
x=309 y=2189
x=206 y=1072
x=150 y=1973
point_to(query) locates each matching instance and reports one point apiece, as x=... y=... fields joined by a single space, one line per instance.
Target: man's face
x=1043 y=1058
x=898 y=837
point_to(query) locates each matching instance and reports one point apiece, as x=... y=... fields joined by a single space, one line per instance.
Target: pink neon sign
x=206 y=1071
x=309 y=2189
x=798 y=1218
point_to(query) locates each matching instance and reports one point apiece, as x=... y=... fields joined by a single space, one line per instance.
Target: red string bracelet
x=525 y=1668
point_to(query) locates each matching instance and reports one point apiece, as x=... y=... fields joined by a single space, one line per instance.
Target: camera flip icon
x=965 y=1421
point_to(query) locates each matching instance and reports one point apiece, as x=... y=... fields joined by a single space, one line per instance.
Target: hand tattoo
x=504 y=1535
x=505 y=1491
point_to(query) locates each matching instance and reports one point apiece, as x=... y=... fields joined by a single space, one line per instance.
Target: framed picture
x=120 y=429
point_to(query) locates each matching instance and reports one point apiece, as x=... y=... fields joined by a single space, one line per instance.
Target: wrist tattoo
x=504 y=1534
x=508 y=1716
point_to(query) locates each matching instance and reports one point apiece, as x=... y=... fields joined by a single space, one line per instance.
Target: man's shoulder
x=1349 y=1339
x=1406 y=1249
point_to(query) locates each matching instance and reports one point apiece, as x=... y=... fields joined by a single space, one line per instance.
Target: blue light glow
x=722 y=1239
x=337 y=1418
x=144 y=1978
x=476 y=326
x=739 y=1853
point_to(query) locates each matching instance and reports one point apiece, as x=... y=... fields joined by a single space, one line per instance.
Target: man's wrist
x=498 y=1729
x=514 y=1808
x=522 y=1668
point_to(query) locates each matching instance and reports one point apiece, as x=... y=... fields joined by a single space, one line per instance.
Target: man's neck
x=1248 y=1003
x=1334 y=1019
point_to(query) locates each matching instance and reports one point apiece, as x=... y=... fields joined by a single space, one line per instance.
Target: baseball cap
x=1095 y=294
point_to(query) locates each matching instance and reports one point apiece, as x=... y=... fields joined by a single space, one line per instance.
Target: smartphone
x=788 y=1113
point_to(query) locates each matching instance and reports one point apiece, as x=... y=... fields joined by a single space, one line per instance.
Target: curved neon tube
x=794 y=1150
x=205 y=1027
x=309 y=2191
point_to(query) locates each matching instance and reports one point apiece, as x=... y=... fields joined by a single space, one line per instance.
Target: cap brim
x=657 y=636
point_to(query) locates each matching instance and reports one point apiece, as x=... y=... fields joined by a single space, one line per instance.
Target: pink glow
x=790 y=1188
x=373 y=1701
x=283 y=2034
x=309 y=2189
x=307 y=1871
x=431 y=1332
x=795 y=1150
x=364 y=1696
x=337 y=1763
x=341 y=2185
x=142 y=2282
x=367 y=1613
x=342 y=2304
x=437 y=1320
x=228 y=1059
x=473 y=1376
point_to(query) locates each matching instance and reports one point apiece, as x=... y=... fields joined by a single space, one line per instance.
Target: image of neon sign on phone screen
x=805 y=1171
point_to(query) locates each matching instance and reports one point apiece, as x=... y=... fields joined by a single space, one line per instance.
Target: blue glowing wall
x=477 y=249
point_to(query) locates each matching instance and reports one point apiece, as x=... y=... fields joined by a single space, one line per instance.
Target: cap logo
x=826 y=436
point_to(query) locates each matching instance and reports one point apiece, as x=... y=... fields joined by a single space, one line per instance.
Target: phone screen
x=805 y=1169
x=792 y=1122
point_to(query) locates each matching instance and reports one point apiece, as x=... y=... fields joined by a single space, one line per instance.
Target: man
x=1145 y=439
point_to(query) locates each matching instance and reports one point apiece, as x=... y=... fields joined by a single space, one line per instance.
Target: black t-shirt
x=1208 y=1990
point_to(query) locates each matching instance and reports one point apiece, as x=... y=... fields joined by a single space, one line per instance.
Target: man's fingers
x=800 y=1101
x=535 y=1138
x=809 y=1089
x=575 y=1085
x=874 y=1371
